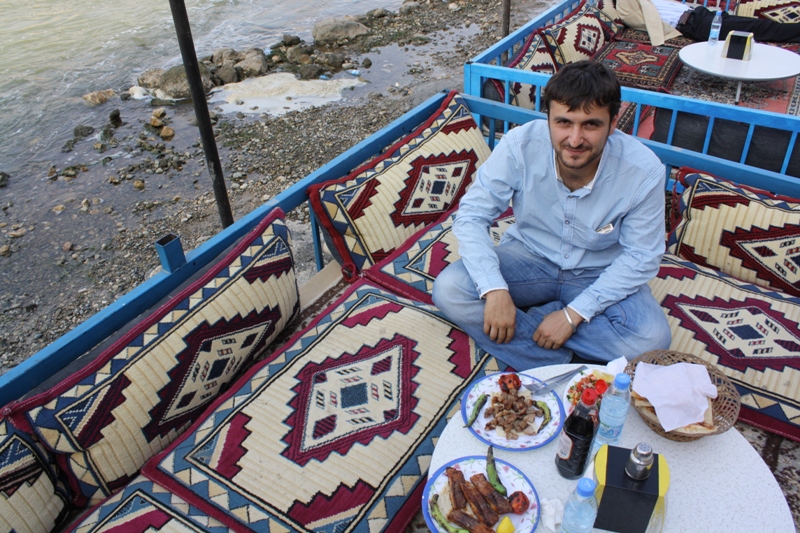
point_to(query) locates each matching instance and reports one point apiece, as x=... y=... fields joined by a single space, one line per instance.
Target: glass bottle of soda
x=575 y=441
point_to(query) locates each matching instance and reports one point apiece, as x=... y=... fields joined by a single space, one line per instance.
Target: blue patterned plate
x=489 y=385
x=513 y=480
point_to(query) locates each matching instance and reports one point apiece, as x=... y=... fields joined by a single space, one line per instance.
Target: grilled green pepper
x=491 y=473
x=476 y=409
x=547 y=416
x=437 y=515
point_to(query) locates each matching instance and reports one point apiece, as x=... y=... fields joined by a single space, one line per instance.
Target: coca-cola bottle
x=575 y=441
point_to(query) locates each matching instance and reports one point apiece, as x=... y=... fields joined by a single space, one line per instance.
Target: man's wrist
x=570 y=321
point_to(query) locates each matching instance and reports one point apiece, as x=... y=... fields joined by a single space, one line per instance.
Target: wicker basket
x=726 y=405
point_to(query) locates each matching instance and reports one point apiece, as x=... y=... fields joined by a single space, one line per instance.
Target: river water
x=52 y=52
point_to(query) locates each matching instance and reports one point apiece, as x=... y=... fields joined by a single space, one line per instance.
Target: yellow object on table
x=624 y=504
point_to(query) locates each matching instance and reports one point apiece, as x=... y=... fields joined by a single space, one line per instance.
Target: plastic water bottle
x=716 y=25
x=614 y=410
x=581 y=508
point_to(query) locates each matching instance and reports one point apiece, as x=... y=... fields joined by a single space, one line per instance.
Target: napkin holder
x=626 y=505
x=738 y=45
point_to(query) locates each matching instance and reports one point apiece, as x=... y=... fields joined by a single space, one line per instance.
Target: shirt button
x=566 y=256
x=566 y=222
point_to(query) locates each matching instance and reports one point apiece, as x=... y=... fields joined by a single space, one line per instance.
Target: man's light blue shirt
x=616 y=226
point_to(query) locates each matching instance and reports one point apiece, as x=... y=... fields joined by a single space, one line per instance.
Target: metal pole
x=184 y=31
x=505 y=23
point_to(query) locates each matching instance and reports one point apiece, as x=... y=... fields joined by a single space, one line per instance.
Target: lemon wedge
x=505 y=526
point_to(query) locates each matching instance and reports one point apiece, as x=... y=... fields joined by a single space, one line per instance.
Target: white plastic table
x=765 y=64
x=717 y=483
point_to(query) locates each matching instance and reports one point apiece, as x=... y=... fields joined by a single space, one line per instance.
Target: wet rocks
x=254 y=64
x=338 y=28
x=115 y=118
x=99 y=97
x=150 y=78
x=173 y=83
x=4 y=177
x=82 y=131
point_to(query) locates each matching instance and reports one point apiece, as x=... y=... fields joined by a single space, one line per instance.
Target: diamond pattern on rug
x=111 y=415
x=145 y=507
x=370 y=212
x=777 y=10
x=580 y=35
x=641 y=65
x=747 y=233
x=28 y=482
x=295 y=445
x=750 y=333
x=412 y=269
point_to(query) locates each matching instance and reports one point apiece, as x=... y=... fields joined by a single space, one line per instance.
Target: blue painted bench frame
x=486 y=65
x=19 y=380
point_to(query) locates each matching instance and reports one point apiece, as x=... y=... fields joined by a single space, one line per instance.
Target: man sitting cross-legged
x=571 y=275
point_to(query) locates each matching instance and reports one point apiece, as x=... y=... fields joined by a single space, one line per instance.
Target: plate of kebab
x=480 y=495
x=499 y=411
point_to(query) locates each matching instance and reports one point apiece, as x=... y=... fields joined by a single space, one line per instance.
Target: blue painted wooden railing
x=19 y=380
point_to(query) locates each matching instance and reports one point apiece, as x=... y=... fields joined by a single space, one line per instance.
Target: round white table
x=766 y=63
x=717 y=483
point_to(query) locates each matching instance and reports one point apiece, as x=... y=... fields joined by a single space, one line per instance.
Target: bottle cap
x=586 y=487
x=589 y=396
x=640 y=462
x=622 y=380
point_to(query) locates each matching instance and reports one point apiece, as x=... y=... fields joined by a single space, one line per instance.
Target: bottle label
x=564 y=446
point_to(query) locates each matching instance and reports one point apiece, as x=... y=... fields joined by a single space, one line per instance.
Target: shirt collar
x=588 y=186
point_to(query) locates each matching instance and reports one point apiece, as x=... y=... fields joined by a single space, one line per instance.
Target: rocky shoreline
x=124 y=183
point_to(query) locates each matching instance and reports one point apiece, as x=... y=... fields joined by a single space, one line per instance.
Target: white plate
x=566 y=397
x=488 y=385
x=510 y=476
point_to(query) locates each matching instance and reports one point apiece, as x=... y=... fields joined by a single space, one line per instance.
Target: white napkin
x=552 y=513
x=617 y=366
x=678 y=392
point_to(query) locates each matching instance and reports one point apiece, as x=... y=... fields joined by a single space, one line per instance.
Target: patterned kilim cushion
x=580 y=35
x=145 y=507
x=105 y=420
x=778 y=10
x=412 y=269
x=379 y=205
x=632 y=35
x=641 y=65
x=750 y=234
x=32 y=500
x=335 y=431
x=534 y=56
x=750 y=333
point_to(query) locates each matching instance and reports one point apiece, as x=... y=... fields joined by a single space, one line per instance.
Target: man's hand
x=499 y=316
x=554 y=330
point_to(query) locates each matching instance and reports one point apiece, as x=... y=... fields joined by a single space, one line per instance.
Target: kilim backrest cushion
x=108 y=417
x=749 y=233
x=374 y=209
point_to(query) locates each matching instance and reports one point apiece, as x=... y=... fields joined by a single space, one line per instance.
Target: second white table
x=765 y=64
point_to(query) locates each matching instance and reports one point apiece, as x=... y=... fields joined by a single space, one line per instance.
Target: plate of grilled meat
x=480 y=495
x=501 y=412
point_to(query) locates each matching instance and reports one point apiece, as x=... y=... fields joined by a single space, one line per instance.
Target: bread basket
x=726 y=405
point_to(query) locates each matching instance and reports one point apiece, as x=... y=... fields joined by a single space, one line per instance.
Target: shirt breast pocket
x=606 y=238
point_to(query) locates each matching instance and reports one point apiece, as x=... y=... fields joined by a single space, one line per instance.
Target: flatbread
x=698 y=428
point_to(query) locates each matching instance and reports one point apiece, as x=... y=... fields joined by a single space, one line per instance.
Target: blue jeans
x=630 y=327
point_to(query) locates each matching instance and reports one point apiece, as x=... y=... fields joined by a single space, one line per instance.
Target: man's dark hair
x=583 y=85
